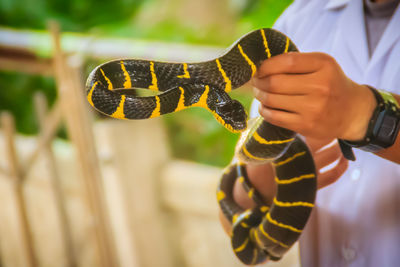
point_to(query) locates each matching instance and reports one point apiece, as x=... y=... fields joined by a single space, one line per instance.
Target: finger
x=240 y=196
x=327 y=156
x=277 y=101
x=262 y=178
x=285 y=84
x=281 y=118
x=293 y=62
x=330 y=176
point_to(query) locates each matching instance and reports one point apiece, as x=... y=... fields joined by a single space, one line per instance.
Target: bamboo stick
x=78 y=124
x=50 y=126
x=41 y=107
x=7 y=122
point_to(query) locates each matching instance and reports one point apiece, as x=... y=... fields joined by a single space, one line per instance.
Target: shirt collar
x=336 y=4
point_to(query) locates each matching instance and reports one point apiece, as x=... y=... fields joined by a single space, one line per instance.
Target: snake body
x=260 y=233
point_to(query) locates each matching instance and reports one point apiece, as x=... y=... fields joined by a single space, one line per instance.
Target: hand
x=262 y=176
x=309 y=94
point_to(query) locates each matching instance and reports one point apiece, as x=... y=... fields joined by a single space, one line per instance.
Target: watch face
x=387 y=127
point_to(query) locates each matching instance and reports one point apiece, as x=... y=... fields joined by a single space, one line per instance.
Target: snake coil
x=260 y=233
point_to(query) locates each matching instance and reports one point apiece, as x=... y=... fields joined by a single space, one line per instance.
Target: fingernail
x=264 y=111
x=256 y=91
x=252 y=81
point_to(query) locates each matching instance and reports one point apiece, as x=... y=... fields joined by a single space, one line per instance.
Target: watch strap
x=347 y=150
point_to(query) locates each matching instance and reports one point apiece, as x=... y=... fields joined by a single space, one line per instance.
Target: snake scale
x=262 y=232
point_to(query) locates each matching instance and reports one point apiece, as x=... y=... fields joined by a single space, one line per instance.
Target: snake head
x=232 y=115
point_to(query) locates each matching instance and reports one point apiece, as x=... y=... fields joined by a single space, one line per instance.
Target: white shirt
x=356 y=221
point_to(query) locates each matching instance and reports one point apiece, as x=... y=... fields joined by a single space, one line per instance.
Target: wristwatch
x=383 y=127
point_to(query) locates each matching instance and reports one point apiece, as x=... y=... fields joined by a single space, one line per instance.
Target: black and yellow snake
x=263 y=232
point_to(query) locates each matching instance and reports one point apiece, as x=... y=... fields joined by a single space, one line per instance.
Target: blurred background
x=79 y=189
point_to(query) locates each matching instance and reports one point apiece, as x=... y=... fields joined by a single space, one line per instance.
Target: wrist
x=383 y=126
x=362 y=106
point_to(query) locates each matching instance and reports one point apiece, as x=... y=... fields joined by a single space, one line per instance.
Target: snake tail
x=265 y=232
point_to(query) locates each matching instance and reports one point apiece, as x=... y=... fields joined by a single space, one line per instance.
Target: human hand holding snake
x=310 y=94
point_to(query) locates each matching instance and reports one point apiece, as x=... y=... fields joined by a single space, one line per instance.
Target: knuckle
x=269 y=100
x=260 y=83
x=273 y=82
x=262 y=97
x=257 y=92
x=263 y=112
x=314 y=109
x=324 y=90
x=327 y=59
x=291 y=60
x=271 y=117
x=267 y=115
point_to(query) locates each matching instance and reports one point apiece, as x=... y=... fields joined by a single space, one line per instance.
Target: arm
x=309 y=93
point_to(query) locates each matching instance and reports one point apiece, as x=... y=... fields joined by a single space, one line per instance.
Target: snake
x=264 y=232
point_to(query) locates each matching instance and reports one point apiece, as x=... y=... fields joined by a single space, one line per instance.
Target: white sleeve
x=282 y=23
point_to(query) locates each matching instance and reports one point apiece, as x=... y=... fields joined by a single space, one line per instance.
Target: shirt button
x=348 y=253
x=355 y=174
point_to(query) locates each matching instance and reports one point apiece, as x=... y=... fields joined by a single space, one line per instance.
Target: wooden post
x=7 y=122
x=48 y=130
x=140 y=152
x=41 y=111
x=79 y=129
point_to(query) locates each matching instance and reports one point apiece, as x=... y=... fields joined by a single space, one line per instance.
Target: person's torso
x=357 y=219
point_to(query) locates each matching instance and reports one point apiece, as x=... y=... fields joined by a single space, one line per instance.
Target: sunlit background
x=79 y=189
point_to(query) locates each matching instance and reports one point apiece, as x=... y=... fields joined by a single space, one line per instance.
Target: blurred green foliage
x=73 y=15
x=194 y=134
x=261 y=13
x=16 y=95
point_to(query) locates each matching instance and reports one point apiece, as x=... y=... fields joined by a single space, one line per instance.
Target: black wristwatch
x=383 y=127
